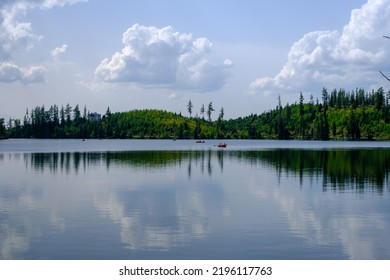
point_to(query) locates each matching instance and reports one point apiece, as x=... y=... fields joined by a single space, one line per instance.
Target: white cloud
x=16 y=35
x=55 y=53
x=173 y=95
x=155 y=57
x=335 y=59
x=10 y=73
x=48 y=4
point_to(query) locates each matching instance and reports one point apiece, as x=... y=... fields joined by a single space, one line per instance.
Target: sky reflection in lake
x=206 y=204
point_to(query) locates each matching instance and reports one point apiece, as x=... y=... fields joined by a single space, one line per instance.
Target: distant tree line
x=2 y=129
x=341 y=115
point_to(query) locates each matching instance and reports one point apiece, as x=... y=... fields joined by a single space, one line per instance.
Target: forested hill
x=339 y=114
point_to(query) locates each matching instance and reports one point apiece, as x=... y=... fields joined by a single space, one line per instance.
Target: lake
x=161 y=199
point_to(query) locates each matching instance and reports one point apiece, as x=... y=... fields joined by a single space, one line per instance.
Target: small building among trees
x=95 y=116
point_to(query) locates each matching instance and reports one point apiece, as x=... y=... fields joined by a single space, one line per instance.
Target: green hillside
x=340 y=115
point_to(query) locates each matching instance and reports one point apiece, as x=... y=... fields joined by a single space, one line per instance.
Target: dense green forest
x=341 y=115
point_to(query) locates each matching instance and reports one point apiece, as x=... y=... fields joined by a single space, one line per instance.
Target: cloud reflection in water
x=162 y=200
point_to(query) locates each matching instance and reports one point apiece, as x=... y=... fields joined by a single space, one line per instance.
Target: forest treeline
x=341 y=115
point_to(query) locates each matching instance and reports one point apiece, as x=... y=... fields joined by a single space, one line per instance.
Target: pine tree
x=210 y=110
x=301 y=116
x=325 y=122
x=189 y=107
x=2 y=128
x=221 y=114
x=202 y=111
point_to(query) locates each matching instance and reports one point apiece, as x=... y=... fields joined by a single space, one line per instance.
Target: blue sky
x=240 y=55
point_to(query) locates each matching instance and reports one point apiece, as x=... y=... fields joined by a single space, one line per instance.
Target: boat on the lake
x=222 y=145
x=200 y=141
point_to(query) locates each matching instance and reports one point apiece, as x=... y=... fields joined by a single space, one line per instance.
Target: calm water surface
x=137 y=199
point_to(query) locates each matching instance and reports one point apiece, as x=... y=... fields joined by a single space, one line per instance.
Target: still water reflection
x=206 y=204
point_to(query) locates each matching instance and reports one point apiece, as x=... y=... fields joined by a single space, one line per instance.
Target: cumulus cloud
x=55 y=53
x=348 y=58
x=162 y=57
x=17 y=35
x=10 y=73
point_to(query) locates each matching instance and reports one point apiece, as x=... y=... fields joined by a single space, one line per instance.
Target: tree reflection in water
x=341 y=169
x=180 y=203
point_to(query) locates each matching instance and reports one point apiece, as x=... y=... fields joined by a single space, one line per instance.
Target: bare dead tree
x=387 y=78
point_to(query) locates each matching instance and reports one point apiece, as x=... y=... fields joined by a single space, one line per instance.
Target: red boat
x=222 y=145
